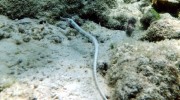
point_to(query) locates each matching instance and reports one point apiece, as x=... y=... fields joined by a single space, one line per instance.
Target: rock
x=150 y=16
x=102 y=68
x=1 y=24
x=143 y=72
x=166 y=28
x=62 y=24
x=1 y=35
x=6 y=82
x=120 y=16
x=25 y=21
x=21 y=30
x=4 y=35
x=26 y=38
x=37 y=32
x=17 y=9
x=130 y=1
x=130 y=26
x=178 y=65
x=52 y=10
x=170 y=6
x=55 y=39
x=128 y=90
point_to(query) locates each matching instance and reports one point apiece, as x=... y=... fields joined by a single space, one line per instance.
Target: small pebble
x=12 y=73
x=21 y=30
x=56 y=39
x=19 y=61
x=34 y=98
x=18 y=42
x=41 y=79
x=62 y=24
x=26 y=39
x=49 y=61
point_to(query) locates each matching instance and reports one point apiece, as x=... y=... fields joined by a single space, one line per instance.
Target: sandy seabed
x=40 y=61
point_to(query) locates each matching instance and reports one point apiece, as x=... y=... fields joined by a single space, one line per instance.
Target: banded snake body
x=95 y=42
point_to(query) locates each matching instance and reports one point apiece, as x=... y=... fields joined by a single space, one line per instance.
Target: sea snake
x=95 y=42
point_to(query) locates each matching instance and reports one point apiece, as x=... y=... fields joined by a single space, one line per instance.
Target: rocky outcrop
x=51 y=11
x=113 y=14
x=165 y=28
x=170 y=6
x=150 y=16
x=145 y=71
